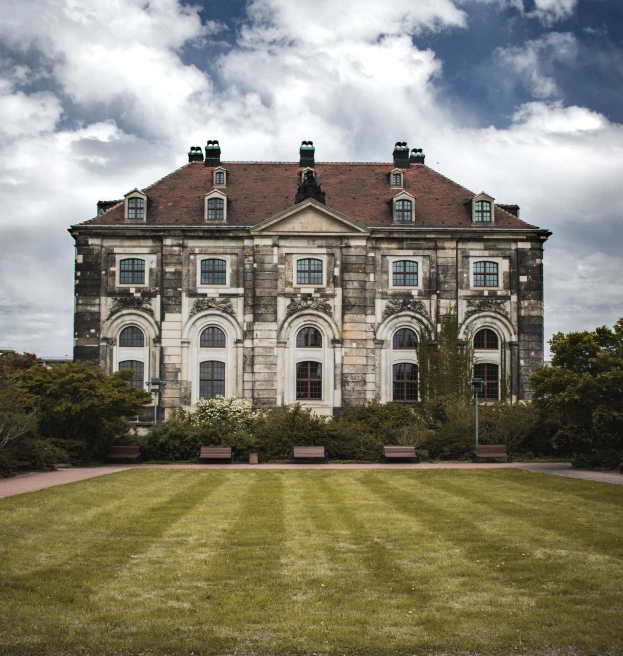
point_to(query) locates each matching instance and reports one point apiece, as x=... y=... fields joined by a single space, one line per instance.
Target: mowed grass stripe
x=485 y=533
x=68 y=585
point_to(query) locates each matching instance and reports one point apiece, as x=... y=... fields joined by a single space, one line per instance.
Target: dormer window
x=403 y=208
x=216 y=206
x=396 y=178
x=307 y=172
x=220 y=177
x=482 y=213
x=136 y=206
x=482 y=209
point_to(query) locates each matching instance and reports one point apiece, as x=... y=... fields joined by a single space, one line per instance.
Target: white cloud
x=530 y=61
x=343 y=73
x=550 y=11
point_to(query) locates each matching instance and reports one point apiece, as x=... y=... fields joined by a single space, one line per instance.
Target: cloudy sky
x=519 y=98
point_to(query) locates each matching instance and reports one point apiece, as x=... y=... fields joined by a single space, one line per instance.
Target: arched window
x=132 y=271
x=138 y=377
x=213 y=272
x=485 y=274
x=404 y=273
x=490 y=374
x=403 y=210
x=211 y=379
x=131 y=336
x=483 y=211
x=405 y=382
x=309 y=271
x=212 y=337
x=485 y=339
x=309 y=337
x=405 y=338
x=309 y=380
x=136 y=208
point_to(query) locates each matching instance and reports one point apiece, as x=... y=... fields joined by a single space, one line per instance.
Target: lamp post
x=478 y=385
x=155 y=386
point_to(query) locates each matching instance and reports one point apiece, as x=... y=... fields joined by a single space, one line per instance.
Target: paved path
x=40 y=480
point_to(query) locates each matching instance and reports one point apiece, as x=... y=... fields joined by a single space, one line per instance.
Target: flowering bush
x=236 y=413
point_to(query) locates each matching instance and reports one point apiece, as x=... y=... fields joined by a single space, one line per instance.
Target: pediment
x=310 y=217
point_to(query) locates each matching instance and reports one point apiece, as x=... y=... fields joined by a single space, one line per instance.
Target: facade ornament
x=309 y=188
x=397 y=305
x=485 y=305
x=121 y=303
x=222 y=304
x=298 y=304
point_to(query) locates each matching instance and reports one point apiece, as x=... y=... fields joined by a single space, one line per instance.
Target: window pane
x=405 y=273
x=483 y=211
x=131 y=336
x=403 y=210
x=137 y=379
x=309 y=338
x=212 y=337
x=490 y=374
x=485 y=339
x=309 y=380
x=405 y=338
x=485 y=274
x=405 y=382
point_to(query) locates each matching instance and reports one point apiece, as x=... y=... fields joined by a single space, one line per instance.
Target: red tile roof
x=258 y=190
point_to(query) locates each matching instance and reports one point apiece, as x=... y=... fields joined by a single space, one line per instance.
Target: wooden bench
x=216 y=453
x=309 y=453
x=621 y=468
x=491 y=451
x=124 y=453
x=393 y=452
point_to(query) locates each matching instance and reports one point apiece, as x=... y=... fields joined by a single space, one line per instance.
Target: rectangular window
x=403 y=210
x=483 y=211
x=132 y=271
x=396 y=179
x=213 y=272
x=219 y=177
x=489 y=374
x=215 y=209
x=309 y=272
x=404 y=274
x=485 y=274
x=136 y=208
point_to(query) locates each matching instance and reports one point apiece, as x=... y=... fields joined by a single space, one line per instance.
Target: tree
x=582 y=392
x=79 y=401
x=18 y=409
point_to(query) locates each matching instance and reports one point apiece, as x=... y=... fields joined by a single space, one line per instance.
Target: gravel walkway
x=40 y=480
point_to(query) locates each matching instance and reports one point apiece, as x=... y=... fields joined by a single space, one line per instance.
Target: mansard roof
x=257 y=191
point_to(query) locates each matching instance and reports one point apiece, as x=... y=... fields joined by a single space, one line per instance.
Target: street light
x=478 y=385
x=155 y=386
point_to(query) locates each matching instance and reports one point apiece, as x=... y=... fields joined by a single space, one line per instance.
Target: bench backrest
x=125 y=451
x=309 y=452
x=403 y=451
x=216 y=451
x=491 y=451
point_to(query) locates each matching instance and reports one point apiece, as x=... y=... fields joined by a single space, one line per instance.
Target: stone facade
x=260 y=305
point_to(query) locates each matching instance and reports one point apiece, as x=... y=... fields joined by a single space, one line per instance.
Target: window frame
x=492 y=383
x=213 y=379
x=404 y=330
x=213 y=328
x=308 y=380
x=134 y=329
x=486 y=261
x=200 y=271
x=405 y=273
x=479 y=198
x=486 y=338
x=135 y=195
x=219 y=170
x=133 y=283
x=396 y=173
x=307 y=345
x=404 y=381
x=480 y=212
x=134 y=380
x=310 y=257
x=399 y=198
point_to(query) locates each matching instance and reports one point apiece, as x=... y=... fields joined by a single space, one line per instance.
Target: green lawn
x=261 y=562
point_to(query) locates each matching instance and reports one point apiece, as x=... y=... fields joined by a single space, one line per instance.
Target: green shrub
x=43 y=454
x=7 y=465
x=174 y=439
x=600 y=459
x=453 y=436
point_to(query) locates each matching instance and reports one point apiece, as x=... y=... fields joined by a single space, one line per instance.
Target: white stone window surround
x=304 y=171
x=199 y=257
x=402 y=258
x=135 y=193
x=150 y=260
x=219 y=185
x=489 y=199
x=392 y=184
x=309 y=256
x=403 y=195
x=215 y=193
x=291 y=355
x=503 y=267
x=231 y=355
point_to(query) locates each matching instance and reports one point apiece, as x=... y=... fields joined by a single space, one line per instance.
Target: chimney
x=195 y=154
x=213 y=153
x=417 y=156
x=307 y=153
x=401 y=155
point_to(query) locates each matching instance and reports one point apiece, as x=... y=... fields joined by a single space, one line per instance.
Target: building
x=305 y=281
